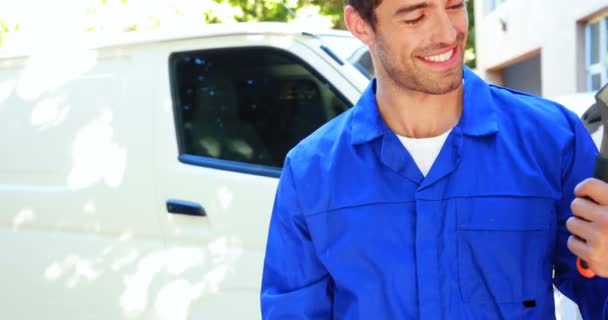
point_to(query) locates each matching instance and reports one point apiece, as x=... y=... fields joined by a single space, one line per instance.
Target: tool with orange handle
x=601 y=163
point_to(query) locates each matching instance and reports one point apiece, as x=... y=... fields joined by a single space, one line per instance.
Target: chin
x=426 y=82
x=451 y=85
x=454 y=81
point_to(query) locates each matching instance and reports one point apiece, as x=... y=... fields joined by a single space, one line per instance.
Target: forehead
x=397 y=4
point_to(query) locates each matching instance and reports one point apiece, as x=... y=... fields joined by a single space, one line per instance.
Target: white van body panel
x=90 y=158
x=76 y=184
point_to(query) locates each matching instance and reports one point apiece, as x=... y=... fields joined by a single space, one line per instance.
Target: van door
x=237 y=105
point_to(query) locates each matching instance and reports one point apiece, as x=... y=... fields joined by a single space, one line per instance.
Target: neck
x=416 y=114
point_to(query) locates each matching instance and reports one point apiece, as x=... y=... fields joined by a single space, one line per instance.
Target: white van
x=137 y=176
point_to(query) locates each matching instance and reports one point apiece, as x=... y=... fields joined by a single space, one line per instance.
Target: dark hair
x=366 y=8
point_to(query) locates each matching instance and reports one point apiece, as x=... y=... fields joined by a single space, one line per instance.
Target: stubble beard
x=411 y=78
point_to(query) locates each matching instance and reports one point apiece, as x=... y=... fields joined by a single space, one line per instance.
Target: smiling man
x=437 y=196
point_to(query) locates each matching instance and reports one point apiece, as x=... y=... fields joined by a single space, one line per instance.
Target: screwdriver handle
x=583 y=268
x=600 y=172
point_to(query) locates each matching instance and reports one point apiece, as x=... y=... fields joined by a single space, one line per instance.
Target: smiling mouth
x=441 y=57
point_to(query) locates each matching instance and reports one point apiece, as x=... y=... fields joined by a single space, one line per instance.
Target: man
x=437 y=196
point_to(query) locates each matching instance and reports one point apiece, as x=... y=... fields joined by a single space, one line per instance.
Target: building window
x=597 y=53
x=247 y=107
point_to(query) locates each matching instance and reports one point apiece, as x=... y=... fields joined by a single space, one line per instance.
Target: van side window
x=248 y=105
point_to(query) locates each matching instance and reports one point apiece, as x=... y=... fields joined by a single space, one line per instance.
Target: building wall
x=549 y=28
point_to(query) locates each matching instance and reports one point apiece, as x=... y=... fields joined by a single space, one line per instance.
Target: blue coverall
x=357 y=232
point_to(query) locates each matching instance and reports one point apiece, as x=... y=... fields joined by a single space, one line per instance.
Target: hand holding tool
x=601 y=163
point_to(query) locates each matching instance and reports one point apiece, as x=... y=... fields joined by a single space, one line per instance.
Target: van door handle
x=185 y=207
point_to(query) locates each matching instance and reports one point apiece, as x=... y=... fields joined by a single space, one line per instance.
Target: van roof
x=105 y=40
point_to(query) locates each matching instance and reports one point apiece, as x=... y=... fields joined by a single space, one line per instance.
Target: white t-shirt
x=424 y=151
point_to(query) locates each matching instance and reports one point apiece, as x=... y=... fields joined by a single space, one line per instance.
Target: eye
x=414 y=21
x=457 y=6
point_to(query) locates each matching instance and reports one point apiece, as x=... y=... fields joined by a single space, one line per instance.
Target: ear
x=360 y=28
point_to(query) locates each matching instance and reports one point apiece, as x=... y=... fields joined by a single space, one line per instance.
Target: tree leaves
x=330 y=12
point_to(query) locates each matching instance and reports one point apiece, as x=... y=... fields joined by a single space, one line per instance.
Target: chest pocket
x=504 y=247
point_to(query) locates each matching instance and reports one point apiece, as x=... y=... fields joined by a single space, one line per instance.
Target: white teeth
x=440 y=57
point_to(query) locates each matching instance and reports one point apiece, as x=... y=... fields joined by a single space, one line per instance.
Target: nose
x=445 y=29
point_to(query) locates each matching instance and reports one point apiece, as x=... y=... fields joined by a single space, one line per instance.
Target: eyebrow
x=409 y=8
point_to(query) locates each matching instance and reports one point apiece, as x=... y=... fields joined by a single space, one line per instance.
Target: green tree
x=334 y=9
x=265 y=10
x=470 y=58
x=7 y=29
x=249 y=10
x=3 y=30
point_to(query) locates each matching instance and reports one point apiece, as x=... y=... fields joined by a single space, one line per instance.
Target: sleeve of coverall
x=589 y=294
x=295 y=285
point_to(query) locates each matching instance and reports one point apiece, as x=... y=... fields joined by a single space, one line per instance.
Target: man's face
x=419 y=44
